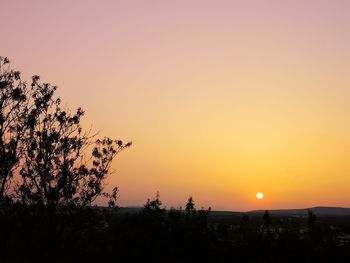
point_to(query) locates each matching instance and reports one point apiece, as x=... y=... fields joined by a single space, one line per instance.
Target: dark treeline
x=52 y=170
x=153 y=234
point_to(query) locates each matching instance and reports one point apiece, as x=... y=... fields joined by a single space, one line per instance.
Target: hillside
x=319 y=211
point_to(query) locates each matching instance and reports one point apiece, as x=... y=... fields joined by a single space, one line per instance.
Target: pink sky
x=222 y=99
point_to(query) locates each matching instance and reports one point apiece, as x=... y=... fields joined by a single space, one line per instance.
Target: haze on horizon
x=222 y=99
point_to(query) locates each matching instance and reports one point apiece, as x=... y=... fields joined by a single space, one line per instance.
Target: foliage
x=106 y=235
x=311 y=219
x=13 y=107
x=267 y=218
x=190 y=205
x=48 y=147
x=60 y=167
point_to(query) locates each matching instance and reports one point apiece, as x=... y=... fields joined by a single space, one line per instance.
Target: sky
x=222 y=99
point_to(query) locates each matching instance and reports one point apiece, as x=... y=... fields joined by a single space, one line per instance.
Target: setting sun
x=175 y=131
x=260 y=195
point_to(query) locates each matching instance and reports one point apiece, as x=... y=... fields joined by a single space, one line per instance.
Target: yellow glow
x=219 y=99
x=260 y=195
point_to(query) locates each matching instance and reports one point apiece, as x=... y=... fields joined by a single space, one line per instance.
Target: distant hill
x=130 y=210
x=319 y=211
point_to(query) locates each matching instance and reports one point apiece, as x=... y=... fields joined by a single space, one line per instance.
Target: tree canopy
x=58 y=163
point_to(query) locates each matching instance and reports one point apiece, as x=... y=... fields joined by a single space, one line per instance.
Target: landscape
x=174 y=131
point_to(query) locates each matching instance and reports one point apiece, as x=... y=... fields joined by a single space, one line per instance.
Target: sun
x=260 y=195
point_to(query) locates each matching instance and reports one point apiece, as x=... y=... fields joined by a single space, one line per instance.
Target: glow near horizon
x=220 y=98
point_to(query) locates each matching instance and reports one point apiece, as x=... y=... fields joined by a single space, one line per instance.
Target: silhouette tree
x=154 y=205
x=56 y=171
x=153 y=211
x=267 y=219
x=15 y=104
x=243 y=227
x=12 y=99
x=311 y=219
x=113 y=196
x=244 y=221
x=190 y=206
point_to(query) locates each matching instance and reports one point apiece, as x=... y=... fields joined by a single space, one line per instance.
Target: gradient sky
x=222 y=99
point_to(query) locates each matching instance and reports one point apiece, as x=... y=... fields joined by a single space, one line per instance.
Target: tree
x=154 y=206
x=267 y=219
x=14 y=105
x=113 y=196
x=244 y=221
x=311 y=219
x=57 y=171
x=243 y=227
x=152 y=209
x=190 y=206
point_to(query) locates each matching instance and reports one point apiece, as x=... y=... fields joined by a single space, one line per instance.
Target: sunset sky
x=221 y=99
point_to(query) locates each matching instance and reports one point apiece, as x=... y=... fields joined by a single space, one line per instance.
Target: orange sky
x=222 y=99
